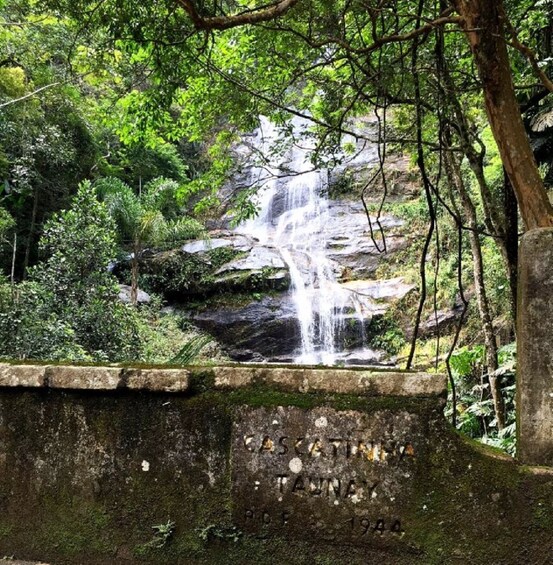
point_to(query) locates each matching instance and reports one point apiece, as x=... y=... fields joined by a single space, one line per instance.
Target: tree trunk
x=492 y=218
x=454 y=174
x=134 y=274
x=484 y=27
x=511 y=243
x=31 y=234
x=14 y=255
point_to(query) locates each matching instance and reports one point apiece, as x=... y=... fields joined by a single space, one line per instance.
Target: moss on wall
x=85 y=477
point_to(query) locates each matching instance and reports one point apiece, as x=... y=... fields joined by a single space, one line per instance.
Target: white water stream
x=292 y=215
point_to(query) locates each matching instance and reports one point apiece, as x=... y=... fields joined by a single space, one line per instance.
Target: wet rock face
x=220 y=239
x=338 y=476
x=268 y=330
x=314 y=245
x=349 y=241
x=313 y=232
x=261 y=329
x=347 y=233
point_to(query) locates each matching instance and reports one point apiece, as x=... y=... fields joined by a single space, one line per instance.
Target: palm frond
x=191 y=350
x=542 y=121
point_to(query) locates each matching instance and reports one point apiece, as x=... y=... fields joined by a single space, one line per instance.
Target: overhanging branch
x=34 y=93
x=263 y=14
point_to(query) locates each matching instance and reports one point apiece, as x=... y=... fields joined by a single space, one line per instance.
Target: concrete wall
x=535 y=348
x=245 y=464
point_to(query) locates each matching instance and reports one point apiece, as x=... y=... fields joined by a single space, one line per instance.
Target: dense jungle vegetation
x=117 y=120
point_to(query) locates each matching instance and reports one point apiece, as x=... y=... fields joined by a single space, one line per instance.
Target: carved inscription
x=332 y=488
x=356 y=525
x=341 y=475
x=325 y=447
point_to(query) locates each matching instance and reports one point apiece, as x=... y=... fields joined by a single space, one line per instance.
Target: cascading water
x=292 y=215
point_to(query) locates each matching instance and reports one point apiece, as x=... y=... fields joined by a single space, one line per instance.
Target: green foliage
x=77 y=244
x=183 y=229
x=221 y=255
x=190 y=351
x=342 y=186
x=172 y=273
x=212 y=178
x=149 y=218
x=136 y=219
x=47 y=144
x=6 y=223
x=475 y=407
x=137 y=165
x=31 y=329
x=177 y=273
x=12 y=82
x=413 y=212
x=384 y=333
x=165 y=336
x=465 y=362
x=51 y=140
x=162 y=535
x=244 y=206
x=70 y=309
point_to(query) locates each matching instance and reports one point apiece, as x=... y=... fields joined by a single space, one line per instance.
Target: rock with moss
x=202 y=268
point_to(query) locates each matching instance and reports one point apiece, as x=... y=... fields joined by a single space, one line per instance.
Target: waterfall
x=293 y=212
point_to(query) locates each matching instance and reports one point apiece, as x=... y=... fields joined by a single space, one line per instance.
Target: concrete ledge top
x=332 y=380
x=364 y=382
x=76 y=377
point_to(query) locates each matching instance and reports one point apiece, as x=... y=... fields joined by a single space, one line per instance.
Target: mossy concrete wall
x=109 y=465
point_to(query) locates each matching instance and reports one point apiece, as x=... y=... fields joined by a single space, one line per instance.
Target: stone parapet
x=87 y=377
x=330 y=380
x=254 y=464
x=357 y=381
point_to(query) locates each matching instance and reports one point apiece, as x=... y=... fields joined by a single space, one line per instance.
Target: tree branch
x=445 y=18
x=35 y=92
x=266 y=13
x=528 y=53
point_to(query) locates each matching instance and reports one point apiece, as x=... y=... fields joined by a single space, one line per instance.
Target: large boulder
x=261 y=329
x=261 y=268
x=382 y=291
x=256 y=267
x=226 y=263
x=440 y=322
x=257 y=259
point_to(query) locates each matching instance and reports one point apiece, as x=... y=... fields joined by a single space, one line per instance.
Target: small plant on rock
x=163 y=533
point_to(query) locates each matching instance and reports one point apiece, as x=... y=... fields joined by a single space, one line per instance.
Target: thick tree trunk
x=484 y=27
